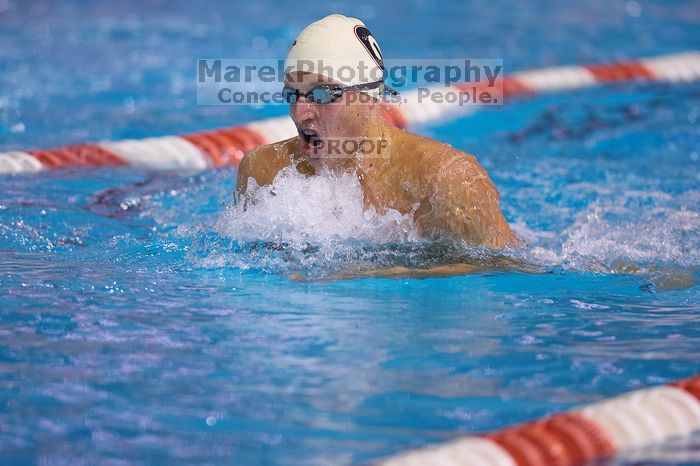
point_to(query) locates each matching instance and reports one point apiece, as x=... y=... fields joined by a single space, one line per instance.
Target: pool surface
x=143 y=320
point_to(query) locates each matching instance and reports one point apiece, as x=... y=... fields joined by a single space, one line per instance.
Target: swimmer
x=341 y=127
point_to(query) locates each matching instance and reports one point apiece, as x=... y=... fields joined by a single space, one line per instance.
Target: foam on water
x=323 y=209
x=643 y=229
x=658 y=235
x=318 y=226
x=311 y=225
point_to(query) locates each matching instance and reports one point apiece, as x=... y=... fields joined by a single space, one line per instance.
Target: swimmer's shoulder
x=264 y=162
x=460 y=190
x=427 y=152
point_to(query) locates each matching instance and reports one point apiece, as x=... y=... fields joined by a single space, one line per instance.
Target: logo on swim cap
x=370 y=43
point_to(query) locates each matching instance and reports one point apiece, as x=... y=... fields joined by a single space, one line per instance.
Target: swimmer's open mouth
x=309 y=139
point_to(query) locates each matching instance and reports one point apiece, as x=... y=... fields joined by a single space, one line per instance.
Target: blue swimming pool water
x=134 y=330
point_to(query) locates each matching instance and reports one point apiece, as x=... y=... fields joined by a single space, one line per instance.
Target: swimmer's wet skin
x=448 y=193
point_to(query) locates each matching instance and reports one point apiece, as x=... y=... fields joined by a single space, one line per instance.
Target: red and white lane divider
x=601 y=430
x=227 y=146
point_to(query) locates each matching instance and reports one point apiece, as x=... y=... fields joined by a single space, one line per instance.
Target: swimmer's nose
x=302 y=111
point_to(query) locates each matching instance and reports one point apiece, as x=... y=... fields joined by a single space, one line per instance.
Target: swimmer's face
x=323 y=127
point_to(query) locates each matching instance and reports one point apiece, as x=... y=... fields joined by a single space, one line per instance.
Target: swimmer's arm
x=439 y=271
x=244 y=173
x=443 y=270
x=466 y=206
x=263 y=163
x=258 y=166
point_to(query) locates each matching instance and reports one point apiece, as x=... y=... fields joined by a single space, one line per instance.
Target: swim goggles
x=326 y=93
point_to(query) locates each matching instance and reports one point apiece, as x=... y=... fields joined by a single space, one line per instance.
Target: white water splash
x=315 y=226
x=636 y=228
x=319 y=224
x=322 y=209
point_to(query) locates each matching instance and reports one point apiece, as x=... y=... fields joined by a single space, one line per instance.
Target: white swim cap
x=339 y=48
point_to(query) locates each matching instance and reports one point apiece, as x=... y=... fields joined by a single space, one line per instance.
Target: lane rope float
x=631 y=421
x=228 y=146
